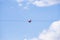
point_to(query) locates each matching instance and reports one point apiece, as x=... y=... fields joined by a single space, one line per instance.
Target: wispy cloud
x=25 y=39
x=53 y=33
x=44 y=3
x=19 y=1
x=40 y=3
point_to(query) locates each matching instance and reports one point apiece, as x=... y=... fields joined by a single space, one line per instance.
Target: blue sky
x=13 y=19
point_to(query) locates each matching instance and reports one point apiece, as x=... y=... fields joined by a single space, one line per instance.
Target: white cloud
x=19 y=1
x=31 y=1
x=34 y=39
x=53 y=33
x=40 y=3
x=44 y=3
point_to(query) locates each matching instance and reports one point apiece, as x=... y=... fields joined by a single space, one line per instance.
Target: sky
x=14 y=16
